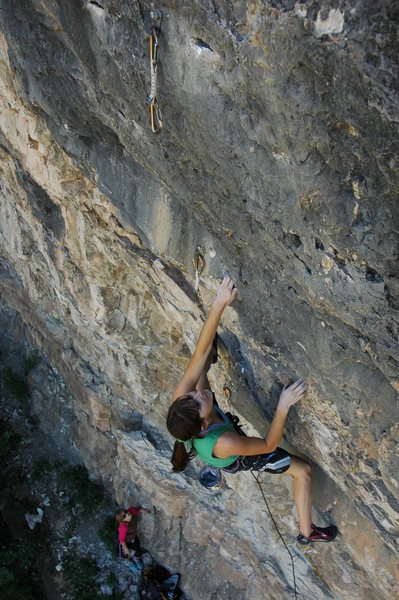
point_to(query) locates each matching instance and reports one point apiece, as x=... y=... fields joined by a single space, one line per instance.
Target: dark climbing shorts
x=134 y=544
x=277 y=461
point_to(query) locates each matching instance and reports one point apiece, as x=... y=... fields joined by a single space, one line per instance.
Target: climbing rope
x=259 y=482
x=154 y=26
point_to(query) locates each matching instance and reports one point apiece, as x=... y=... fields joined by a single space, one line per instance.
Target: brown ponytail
x=180 y=457
x=184 y=423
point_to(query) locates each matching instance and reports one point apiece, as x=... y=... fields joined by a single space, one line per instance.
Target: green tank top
x=204 y=446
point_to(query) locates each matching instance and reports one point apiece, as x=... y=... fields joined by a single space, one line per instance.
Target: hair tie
x=179 y=440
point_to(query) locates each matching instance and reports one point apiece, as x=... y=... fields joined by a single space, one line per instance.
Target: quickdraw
x=153 y=27
x=199 y=264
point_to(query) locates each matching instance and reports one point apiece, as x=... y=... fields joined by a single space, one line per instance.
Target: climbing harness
x=199 y=264
x=259 y=482
x=153 y=26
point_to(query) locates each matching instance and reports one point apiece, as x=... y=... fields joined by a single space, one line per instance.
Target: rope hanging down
x=259 y=482
x=153 y=26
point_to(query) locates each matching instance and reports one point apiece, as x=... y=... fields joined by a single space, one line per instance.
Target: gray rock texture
x=279 y=159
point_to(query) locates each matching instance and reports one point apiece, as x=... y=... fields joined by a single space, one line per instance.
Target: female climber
x=195 y=419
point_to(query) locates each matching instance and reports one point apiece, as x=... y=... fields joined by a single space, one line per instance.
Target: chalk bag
x=211 y=477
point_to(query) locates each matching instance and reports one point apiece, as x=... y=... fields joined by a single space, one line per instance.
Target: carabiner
x=199 y=262
x=156 y=117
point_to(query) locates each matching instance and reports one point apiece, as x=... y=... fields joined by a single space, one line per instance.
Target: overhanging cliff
x=279 y=159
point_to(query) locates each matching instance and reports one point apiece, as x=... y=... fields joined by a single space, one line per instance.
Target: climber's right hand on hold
x=197 y=364
x=292 y=394
x=226 y=293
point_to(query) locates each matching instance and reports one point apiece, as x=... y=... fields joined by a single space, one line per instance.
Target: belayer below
x=127 y=519
x=196 y=420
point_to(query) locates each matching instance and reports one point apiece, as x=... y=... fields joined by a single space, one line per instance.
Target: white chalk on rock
x=332 y=25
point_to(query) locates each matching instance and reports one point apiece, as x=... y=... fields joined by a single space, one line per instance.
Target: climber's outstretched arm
x=231 y=443
x=225 y=296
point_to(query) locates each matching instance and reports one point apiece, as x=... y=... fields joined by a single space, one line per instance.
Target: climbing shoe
x=318 y=534
x=133 y=566
x=139 y=564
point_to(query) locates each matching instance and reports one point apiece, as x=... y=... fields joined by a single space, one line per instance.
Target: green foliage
x=6 y=576
x=108 y=533
x=82 y=492
x=81 y=496
x=42 y=467
x=16 y=382
x=81 y=573
x=31 y=362
x=111 y=579
x=19 y=579
x=8 y=440
x=5 y=445
x=21 y=554
x=16 y=510
x=70 y=529
x=17 y=385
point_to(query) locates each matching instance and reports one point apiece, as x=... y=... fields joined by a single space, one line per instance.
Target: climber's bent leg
x=301 y=471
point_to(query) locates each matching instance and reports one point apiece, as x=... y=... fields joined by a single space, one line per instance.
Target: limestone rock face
x=279 y=161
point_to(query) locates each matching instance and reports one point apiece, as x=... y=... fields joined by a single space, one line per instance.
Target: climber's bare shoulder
x=231 y=443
